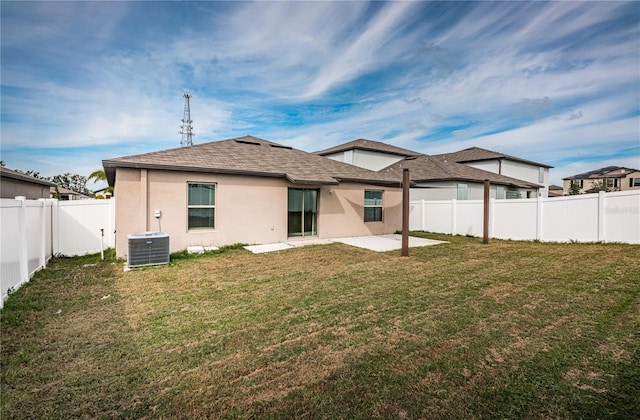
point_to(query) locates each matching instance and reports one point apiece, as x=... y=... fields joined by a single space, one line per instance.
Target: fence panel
x=10 y=249
x=622 y=217
x=469 y=217
x=31 y=231
x=571 y=218
x=514 y=219
x=80 y=223
x=607 y=217
x=431 y=216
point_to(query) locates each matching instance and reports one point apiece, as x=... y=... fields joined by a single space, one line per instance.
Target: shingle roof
x=426 y=168
x=250 y=155
x=8 y=173
x=602 y=172
x=371 y=145
x=474 y=154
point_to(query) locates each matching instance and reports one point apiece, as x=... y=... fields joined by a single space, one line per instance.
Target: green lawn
x=458 y=330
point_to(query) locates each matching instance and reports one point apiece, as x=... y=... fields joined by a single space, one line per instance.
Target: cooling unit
x=148 y=248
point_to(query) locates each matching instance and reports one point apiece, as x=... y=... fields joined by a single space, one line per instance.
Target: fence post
x=492 y=216
x=485 y=223
x=55 y=228
x=454 y=216
x=22 y=240
x=601 y=217
x=405 y=212
x=43 y=233
x=539 y=218
x=423 y=213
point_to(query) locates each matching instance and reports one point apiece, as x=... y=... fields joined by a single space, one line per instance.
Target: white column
x=454 y=216
x=43 y=233
x=22 y=240
x=601 y=216
x=539 y=218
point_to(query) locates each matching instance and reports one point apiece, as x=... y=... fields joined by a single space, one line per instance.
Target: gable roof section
x=252 y=156
x=8 y=173
x=603 y=172
x=370 y=145
x=426 y=168
x=474 y=154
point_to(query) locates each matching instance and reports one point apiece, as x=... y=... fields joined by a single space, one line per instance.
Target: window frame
x=462 y=188
x=374 y=206
x=202 y=206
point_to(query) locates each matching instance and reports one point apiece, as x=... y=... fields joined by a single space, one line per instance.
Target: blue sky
x=553 y=82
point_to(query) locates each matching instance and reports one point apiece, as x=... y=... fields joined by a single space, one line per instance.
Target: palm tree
x=99 y=175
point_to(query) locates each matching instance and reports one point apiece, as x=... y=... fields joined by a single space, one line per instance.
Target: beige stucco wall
x=250 y=210
x=10 y=188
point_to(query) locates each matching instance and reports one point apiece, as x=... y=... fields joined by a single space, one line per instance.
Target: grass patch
x=459 y=330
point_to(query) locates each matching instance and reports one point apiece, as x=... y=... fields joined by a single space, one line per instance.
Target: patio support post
x=485 y=233
x=405 y=213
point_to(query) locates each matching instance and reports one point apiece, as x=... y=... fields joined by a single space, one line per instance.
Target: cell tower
x=186 y=129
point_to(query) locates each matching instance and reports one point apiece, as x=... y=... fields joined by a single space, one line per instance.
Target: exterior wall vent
x=148 y=248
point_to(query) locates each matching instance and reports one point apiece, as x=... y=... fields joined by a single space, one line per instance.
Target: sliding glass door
x=303 y=212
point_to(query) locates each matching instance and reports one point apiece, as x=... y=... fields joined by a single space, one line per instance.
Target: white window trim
x=191 y=206
x=381 y=206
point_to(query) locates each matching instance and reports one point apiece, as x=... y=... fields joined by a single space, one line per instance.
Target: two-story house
x=438 y=177
x=615 y=178
x=503 y=164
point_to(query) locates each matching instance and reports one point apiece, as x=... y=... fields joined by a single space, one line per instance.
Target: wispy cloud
x=536 y=79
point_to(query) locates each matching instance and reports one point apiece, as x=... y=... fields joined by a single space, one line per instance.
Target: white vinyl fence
x=602 y=217
x=31 y=231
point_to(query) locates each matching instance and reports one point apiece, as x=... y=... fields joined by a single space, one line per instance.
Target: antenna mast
x=186 y=129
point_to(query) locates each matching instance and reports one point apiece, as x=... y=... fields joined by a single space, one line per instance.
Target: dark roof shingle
x=474 y=154
x=426 y=168
x=250 y=155
x=603 y=172
x=8 y=173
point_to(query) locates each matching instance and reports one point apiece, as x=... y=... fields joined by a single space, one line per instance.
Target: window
x=201 y=205
x=500 y=192
x=372 y=206
x=578 y=182
x=348 y=156
x=541 y=175
x=634 y=182
x=463 y=192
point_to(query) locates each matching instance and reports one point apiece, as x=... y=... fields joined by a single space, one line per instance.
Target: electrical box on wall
x=157 y=214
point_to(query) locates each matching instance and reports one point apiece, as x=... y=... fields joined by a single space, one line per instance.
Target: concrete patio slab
x=384 y=243
x=260 y=249
x=378 y=243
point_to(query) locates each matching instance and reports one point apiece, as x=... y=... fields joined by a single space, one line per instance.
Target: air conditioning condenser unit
x=148 y=248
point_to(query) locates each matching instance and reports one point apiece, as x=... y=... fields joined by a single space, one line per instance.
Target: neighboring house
x=615 y=178
x=555 y=191
x=103 y=193
x=439 y=177
x=248 y=190
x=14 y=184
x=66 y=194
x=436 y=178
x=502 y=164
x=367 y=154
